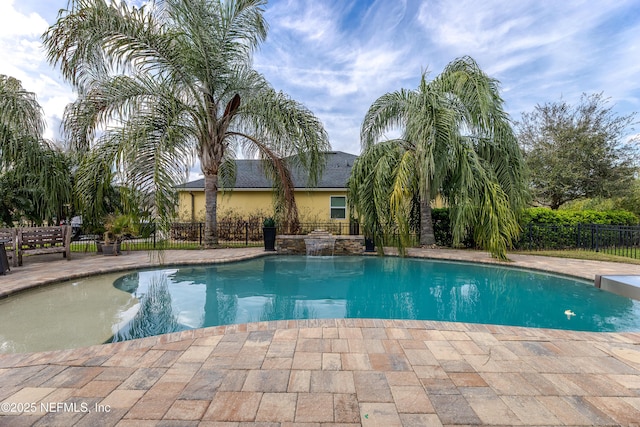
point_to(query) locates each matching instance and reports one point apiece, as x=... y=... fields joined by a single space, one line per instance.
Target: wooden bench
x=44 y=240
x=8 y=237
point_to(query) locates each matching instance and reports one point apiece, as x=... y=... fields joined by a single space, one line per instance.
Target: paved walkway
x=326 y=372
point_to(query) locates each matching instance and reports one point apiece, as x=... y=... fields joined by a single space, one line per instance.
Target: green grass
x=588 y=255
x=635 y=254
x=90 y=246
x=145 y=246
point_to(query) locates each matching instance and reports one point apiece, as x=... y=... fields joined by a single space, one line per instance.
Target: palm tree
x=35 y=172
x=456 y=142
x=172 y=82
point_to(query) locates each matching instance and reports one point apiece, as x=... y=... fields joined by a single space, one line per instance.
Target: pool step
x=625 y=285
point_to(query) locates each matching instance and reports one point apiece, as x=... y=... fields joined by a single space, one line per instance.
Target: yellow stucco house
x=252 y=193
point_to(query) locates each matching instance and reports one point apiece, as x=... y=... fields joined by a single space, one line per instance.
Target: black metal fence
x=190 y=235
x=622 y=240
x=612 y=239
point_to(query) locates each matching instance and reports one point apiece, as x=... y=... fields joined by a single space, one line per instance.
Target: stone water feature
x=319 y=243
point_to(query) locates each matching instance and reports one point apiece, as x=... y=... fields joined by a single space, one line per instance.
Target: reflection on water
x=277 y=288
x=155 y=313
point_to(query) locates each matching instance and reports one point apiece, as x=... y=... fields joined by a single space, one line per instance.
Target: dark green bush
x=548 y=216
x=442 y=229
x=541 y=227
x=441 y=226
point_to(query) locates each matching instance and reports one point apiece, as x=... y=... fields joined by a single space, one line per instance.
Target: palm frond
x=461 y=146
x=20 y=117
x=390 y=111
x=290 y=130
x=171 y=80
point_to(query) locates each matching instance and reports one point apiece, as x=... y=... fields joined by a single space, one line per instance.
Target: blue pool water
x=278 y=288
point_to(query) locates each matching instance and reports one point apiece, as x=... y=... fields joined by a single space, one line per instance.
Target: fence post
x=530 y=235
x=597 y=238
x=620 y=238
x=579 y=232
x=246 y=233
x=200 y=233
x=155 y=230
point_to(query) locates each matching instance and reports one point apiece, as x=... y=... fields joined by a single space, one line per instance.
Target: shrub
x=442 y=229
x=548 y=216
x=441 y=226
x=544 y=228
x=553 y=229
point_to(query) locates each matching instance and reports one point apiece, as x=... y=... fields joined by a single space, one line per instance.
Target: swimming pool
x=147 y=302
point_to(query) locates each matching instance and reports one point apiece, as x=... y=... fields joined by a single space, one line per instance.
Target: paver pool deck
x=343 y=372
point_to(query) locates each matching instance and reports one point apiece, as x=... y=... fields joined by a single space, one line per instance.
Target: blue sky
x=338 y=56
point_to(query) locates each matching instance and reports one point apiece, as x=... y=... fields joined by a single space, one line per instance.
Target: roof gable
x=249 y=174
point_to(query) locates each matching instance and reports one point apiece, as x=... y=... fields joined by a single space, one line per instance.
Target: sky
x=338 y=56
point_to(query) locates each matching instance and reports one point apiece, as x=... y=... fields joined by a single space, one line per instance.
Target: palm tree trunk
x=211 y=203
x=427 y=236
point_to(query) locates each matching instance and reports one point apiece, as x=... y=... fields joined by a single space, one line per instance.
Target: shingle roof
x=249 y=174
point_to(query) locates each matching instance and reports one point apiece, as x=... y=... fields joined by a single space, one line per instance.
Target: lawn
x=590 y=255
x=90 y=246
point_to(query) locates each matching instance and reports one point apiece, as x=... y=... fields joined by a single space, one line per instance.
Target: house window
x=338 y=207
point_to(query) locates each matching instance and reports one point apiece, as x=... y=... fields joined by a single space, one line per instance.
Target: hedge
x=562 y=217
x=546 y=216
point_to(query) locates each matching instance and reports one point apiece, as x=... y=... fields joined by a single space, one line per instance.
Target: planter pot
x=111 y=248
x=369 y=246
x=269 y=234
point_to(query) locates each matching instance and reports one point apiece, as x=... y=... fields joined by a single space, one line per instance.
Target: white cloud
x=337 y=67
x=14 y=24
x=21 y=46
x=338 y=56
x=310 y=22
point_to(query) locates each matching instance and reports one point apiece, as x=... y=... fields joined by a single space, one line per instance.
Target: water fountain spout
x=320 y=243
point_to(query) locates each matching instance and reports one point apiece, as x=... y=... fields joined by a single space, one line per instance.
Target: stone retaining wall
x=344 y=245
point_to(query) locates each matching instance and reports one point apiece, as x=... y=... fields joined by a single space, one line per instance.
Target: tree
x=34 y=173
x=173 y=81
x=15 y=202
x=631 y=201
x=457 y=142
x=578 y=151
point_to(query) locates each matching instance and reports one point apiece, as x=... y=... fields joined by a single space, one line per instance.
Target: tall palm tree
x=172 y=82
x=457 y=142
x=37 y=170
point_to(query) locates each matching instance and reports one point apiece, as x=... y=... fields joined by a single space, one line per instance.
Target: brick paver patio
x=340 y=372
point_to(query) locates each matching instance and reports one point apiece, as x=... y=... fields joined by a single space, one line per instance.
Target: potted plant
x=369 y=241
x=269 y=233
x=116 y=228
x=369 y=245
